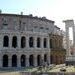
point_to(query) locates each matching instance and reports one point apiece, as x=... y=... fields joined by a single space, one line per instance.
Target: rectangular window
x=47 y=28
x=5 y=24
x=41 y=27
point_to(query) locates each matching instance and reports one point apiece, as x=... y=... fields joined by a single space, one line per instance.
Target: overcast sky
x=56 y=10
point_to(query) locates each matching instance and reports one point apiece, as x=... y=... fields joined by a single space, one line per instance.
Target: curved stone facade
x=16 y=51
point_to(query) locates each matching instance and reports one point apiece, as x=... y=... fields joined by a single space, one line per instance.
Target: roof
x=27 y=16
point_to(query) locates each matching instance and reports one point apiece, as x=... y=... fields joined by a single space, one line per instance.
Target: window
x=4 y=22
x=47 y=28
x=41 y=27
x=35 y=26
x=6 y=41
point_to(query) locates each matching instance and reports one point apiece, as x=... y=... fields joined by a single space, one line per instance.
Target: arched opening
x=31 y=41
x=45 y=58
x=14 y=61
x=5 y=41
x=23 y=61
x=51 y=59
x=39 y=60
x=38 y=42
x=14 y=42
x=23 y=42
x=31 y=60
x=51 y=45
x=45 y=43
x=5 y=61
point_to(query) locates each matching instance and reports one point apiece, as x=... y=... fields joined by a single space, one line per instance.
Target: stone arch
x=45 y=57
x=38 y=42
x=51 y=59
x=23 y=60
x=5 y=60
x=31 y=60
x=39 y=60
x=5 y=41
x=23 y=42
x=14 y=41
x=31 y=40
x=51 y=43
x=45 y=43
x=14 y=61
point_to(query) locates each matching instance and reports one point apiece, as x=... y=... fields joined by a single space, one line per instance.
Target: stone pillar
x=42 y=59
x=27 y=42
x=1 y=61
x=35 y=60
x=48 y=43
x=68 y=23
x=42 y=41
x=35 y=42
x=10 y=41
x=18 y=61
x=19 y=41
x=10 y=61
x=27 y=60
x=48 y=58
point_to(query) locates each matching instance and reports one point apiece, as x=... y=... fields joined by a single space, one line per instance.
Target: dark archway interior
x=31 y=41
x=6 y=41
x=45 y=58
x=31 y=60
x=39 y=60
x=14 y=42
x=14 y=61
x=23 y=42
x=23 y=61
x=5 y=61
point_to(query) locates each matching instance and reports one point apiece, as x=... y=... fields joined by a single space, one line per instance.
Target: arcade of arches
x=23 y=60
x=26 y=46
x=23 y=42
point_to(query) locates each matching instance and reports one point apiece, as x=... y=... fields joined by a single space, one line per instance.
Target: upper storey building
x=24 y=40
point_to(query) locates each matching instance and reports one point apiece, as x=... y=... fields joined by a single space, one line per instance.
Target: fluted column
x=27 y=41
x=27 y=60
